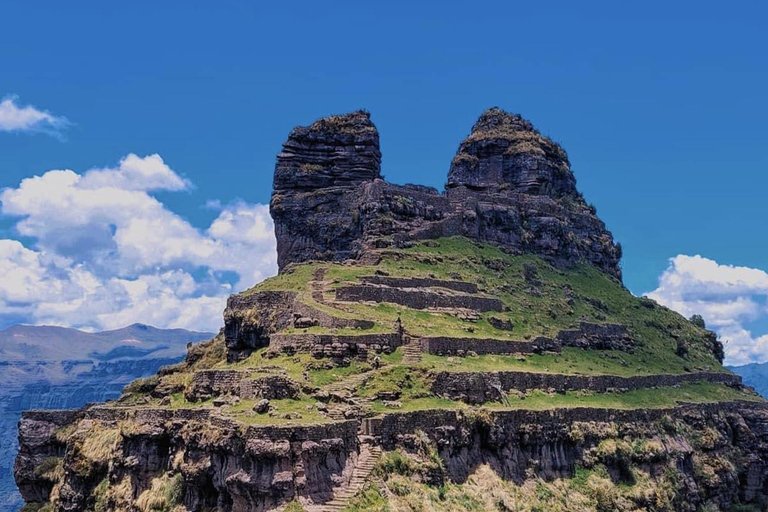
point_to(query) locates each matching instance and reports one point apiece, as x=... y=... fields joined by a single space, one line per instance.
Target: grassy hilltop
x=539 y=300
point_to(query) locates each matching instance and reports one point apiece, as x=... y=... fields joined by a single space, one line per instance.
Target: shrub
x=394 y=463
x=48 y=468
x=294 y=506
x=698 y=321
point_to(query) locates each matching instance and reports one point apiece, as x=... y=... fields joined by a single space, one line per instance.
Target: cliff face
x=507 y=185
x=458 y=351
x=706 y=456
x=322 y=167
x=505 y=152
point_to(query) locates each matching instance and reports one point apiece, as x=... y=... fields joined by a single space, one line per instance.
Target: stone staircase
x=346 y=388
x=412 y=352
x=317 y=285
x=365 y=464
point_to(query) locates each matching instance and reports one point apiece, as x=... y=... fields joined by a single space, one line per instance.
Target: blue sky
x=661 y=107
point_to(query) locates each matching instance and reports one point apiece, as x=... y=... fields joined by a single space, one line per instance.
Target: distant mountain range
x=45 y=367
x=755 y=375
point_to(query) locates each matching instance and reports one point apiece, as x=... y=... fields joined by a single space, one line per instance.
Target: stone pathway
x=341 y=496
x=317 y=285
x=412 y=352
x=347 y=388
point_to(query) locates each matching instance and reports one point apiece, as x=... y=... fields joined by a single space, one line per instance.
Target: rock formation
x=479 y=337
x=508 y=185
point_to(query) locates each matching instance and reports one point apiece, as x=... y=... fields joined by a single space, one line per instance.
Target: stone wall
x=444 y=345
x=420 y=282
x=416 y=299
x=477 y=388
x=333 y=345
x=251 y=318
x=598 y=337
x=207 y=384
x=272 y=387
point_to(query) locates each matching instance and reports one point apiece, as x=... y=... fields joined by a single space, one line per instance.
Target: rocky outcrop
x=320 y=167
x=508 y=185
x=598 y=337
x=505 y=152
x=39 y=445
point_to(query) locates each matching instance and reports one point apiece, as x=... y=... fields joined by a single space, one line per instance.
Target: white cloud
x=14 y=118
x=727 y=296
x=107 y=253
x=135 y=173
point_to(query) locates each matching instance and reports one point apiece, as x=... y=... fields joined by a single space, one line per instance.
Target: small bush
x=394 y=463
x=48 y=468
x=142 y=386
x=294 y=506
x=698 y=321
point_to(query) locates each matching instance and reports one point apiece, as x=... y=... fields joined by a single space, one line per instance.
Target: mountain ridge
x=42 y=381
x=754 y=374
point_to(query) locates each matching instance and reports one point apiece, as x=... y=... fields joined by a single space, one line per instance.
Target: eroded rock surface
x=508 y=185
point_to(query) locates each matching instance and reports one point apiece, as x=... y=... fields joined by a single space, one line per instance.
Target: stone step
x=412 y=352
x=365 y=464
x=318 y=285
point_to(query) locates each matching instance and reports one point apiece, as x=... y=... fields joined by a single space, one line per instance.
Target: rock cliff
x=472 y=349
x=507 y=185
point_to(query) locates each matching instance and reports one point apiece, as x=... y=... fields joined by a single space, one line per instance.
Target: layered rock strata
x=222 y=466
x=508 y=185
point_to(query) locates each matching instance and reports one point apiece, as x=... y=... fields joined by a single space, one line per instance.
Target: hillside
x=45 y=367
x=473 y=349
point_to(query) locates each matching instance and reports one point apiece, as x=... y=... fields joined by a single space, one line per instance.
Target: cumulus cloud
x=107 y=253
x=14 y=118
x=726 y=296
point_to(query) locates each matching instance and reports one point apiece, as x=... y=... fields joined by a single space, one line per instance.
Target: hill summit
x=508 y=185
x=471 y=349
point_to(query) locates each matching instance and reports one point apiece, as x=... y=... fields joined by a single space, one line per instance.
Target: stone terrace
x=481 y=387
x=334 y=345
x=444 y=345
x=417 y=298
